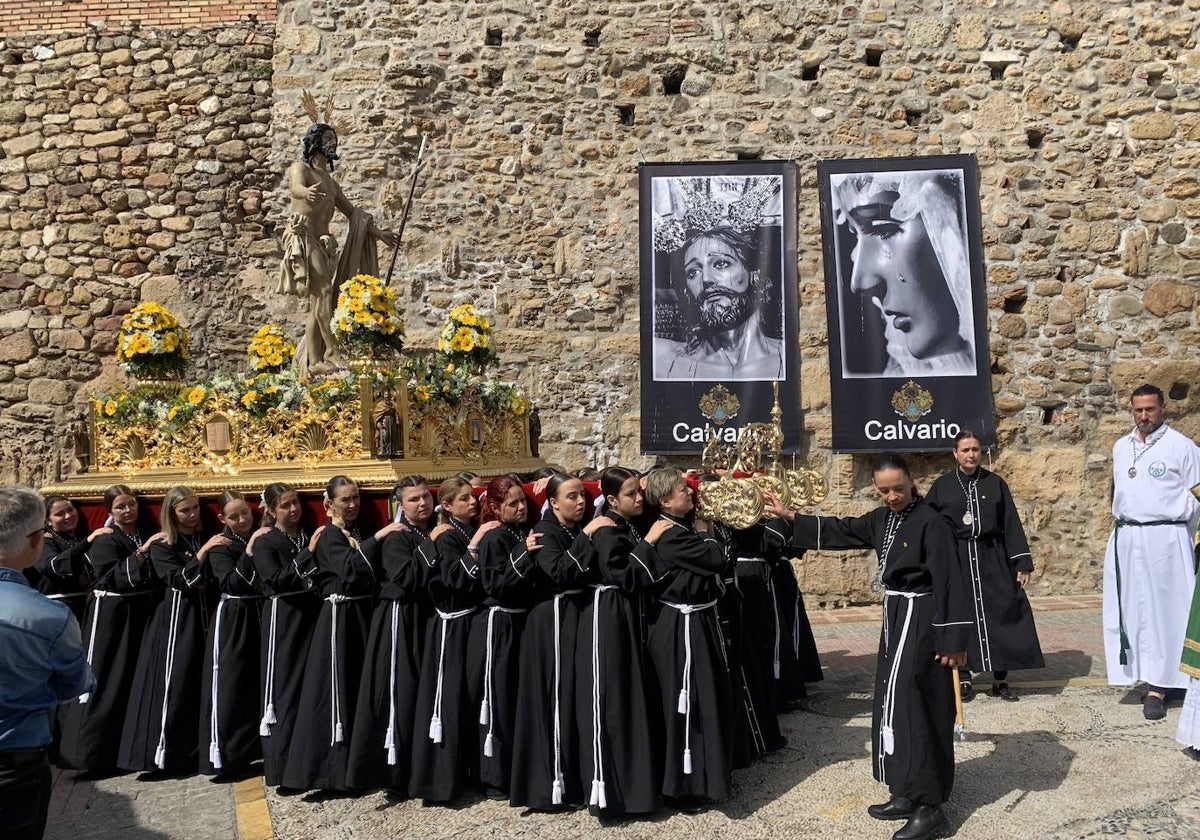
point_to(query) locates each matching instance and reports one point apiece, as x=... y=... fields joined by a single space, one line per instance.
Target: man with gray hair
x=42 y=664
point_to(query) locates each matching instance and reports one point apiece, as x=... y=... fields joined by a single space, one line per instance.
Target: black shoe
x=1192 y=753
x=968 y=691
x=776 y=744
x=926 y=822
x=1153 y=707
x=896 y=808
x=687 y=804
x=1005 y=692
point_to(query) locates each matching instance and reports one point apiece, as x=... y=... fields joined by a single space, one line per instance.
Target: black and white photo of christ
x=718 y=311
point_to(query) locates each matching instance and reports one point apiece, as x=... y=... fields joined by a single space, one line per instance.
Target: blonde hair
x=447 y=490
x=166 y=516
x=660 y=482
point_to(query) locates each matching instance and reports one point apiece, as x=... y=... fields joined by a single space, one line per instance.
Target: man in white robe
x=1149 y=570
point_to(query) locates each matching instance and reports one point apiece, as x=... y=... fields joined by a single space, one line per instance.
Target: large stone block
x=1164 y=298
x=1045 y=474
x=17 y=347
x=1156 y=126
x=22 y=144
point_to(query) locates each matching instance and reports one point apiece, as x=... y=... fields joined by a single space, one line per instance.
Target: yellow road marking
x=250 y=807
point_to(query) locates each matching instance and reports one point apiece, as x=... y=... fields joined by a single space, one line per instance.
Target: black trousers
x=24 y=793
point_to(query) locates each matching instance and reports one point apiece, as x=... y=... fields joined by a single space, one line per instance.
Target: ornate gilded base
x=223 y=445
x=370 y=473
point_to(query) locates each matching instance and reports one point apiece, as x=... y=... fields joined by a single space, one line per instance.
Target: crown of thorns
x=695 y=207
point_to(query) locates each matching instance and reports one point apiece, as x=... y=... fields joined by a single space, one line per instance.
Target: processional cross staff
x=412 y=186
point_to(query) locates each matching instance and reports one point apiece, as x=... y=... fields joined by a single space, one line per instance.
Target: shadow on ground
x=107 y=816
x=1021 y=763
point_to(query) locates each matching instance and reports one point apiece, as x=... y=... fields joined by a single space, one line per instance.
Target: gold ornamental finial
x=738 y=501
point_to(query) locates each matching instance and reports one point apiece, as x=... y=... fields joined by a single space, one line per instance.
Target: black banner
x=718 y=300
x=905 y=300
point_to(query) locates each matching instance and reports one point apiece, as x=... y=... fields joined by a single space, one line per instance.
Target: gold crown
x=700 y=204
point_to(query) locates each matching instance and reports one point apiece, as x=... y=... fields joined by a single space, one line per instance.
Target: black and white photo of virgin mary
x=718 y=313
x=903 y=274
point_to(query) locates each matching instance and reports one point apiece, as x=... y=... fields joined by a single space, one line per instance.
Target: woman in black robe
x=124 y=598
x=62 y=572
x=162 y=729
x=799 y=660
x=494 y=649
x=995 y=557
x=687 y=648
x=614 y=704
x=344 y=575
x=445 y=746
x=281 y=552
x=381 y=749
x=229 y=691
x=545 y=772
x=756 y=646
x=925 y=631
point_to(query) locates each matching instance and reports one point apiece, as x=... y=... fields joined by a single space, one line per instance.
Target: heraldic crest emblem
x=719 y=406
x=912 y=402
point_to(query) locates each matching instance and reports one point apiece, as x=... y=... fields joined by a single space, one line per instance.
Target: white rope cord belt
x=214 y=742
x=485 y=708
x=268 y=717
x=160 y=752
x=339 y=733
x=100 y=594
x=887 y=740
x=556 y=788
x=389 y=738
x=774 y=609
x=685 y=695
x=435 y=722
x=599 y=798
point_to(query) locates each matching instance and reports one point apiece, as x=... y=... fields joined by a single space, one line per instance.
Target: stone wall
x=38 y=17
x=1083 y=115
x=133 y=167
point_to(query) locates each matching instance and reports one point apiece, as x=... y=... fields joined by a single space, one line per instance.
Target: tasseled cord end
x=389 y=743
x=687 y=762
x=268 y=718
x=1123 y=658
x=488 y=745
x=339 y=734
x=485 y=713
x=160 y=756
x=214 y=755
x=435 y=729
x=598 y=799
x=83 y=698
x=682 y=707
x=556 y=792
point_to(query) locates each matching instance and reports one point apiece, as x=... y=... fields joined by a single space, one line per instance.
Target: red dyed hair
x=496 y=490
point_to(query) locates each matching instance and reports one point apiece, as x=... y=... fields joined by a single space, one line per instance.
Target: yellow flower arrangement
x=466 y=338
x=249 y=398
x=366 y=322
x=421 y=392
x=271 y=349
x=196 y=395
x=152 y=344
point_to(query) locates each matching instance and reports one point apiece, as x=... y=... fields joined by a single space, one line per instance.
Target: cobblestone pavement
x=1073 y=759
